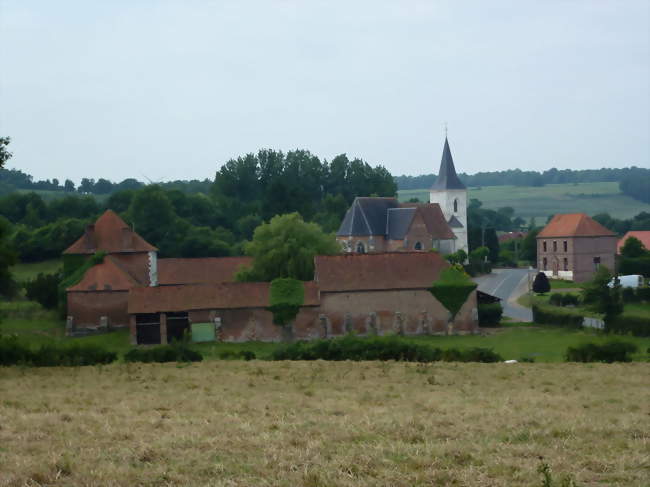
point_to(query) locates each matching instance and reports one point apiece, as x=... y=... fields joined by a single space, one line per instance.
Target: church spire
x=447 y=177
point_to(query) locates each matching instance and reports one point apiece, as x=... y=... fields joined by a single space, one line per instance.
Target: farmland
x=540 y=202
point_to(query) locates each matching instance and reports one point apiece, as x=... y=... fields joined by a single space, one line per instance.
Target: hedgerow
x=13 y=352
x=608 y=352
x=176 y=352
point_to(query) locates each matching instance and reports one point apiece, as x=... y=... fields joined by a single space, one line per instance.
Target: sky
x=163 y=90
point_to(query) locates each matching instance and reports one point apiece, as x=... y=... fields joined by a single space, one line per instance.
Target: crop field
x=233 y=423
x=529 y=202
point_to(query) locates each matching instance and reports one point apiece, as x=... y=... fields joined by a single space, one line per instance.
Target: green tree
x=603 y=294
x=152 y=214
x=7 y=259
x=633 y=247
x=541 y=284
x=285 y=247
x=5 y=155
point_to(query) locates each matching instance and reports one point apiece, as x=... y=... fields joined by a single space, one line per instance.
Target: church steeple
x=447 y=177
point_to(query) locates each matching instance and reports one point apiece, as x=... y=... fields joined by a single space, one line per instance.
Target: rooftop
x=642 y=235
x=447 y=177
x=574 y=225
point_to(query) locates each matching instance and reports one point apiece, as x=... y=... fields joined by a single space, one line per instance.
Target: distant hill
x=541 y=202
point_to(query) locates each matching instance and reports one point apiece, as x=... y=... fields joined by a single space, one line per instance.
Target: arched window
x=361 y=249
x=418 y=246
x=545 y=264
x=456 y=205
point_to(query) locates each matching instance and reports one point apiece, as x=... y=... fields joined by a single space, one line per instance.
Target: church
x=373 y=225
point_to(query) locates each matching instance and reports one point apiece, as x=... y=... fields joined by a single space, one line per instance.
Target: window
x=566 y=263
x=596 y=262
x=544 y=264
x=554 y=245
x=456 y=205
x=361 y=249
x=566 y=246
x=417 y=246
x=544 y=245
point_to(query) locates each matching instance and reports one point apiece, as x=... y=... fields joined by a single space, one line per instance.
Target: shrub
x=12 y=352
x=636 y=325
x=378 y=348
x=452 y=289
x=489 y=314
x=547 y=315
x=541 y=284
x=286 y=296
x=609 y=352
x=555 y=299
x=242 y=354
x=629 y=295
x=44 y=289
x=569 y=299
x=176 y=352
x=643 y=293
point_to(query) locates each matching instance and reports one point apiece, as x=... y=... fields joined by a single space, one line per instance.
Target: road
x=508 y=284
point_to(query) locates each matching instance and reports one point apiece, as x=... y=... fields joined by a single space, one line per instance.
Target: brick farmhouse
x=159 y=299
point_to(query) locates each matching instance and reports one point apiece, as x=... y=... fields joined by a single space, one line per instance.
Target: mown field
x=324 y=424
x=529 y=202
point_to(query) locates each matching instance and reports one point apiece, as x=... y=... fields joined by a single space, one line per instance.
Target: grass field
x=26 y=271
x=528 y=202
x=324 y=424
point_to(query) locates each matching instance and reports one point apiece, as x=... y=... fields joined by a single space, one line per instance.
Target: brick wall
x=87 y=308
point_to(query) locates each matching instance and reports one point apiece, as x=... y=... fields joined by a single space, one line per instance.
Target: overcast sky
x=173 y=89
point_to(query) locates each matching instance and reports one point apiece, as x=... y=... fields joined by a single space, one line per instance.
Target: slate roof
x=367 y=216
x=365 y=272
x=434 y=219
x=227 y=295
x=112 y=235
x=455 y=222
x=574 y=225
x=208 y=270
x=643 y=236
x=399 y=221
x=447 y=177
x=106 y=276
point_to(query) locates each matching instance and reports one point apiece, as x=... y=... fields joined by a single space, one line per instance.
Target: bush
x=12 y=352
x=643 y=293
x=569 y=300
x=629 y=295
x=477 y=268
x=44 y=289
x=609 y=352
x=242 y=354
x=489 y=314
x=176 y=352
x=541 y=284
x=379 y=348
x=623 y=324
x=555 y=299
x=547 y=315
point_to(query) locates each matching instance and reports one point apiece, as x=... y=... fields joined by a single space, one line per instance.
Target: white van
x=633 y=281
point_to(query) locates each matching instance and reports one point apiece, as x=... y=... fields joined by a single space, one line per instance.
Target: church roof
x=447 y=177
x=112 y=235
x=367 y=216
x=399 y=221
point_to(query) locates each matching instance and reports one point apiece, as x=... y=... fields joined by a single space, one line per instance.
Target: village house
x=572 y=246
x=160 y=299
x=374 y=224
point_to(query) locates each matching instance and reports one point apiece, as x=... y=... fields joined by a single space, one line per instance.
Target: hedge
x=286 y=296
x=624 y=324
x=176 y=352
x=607 y=352
x=452 y=289
x=549 y=315
x=379 y=348
x=489 y=314
x=12 y=352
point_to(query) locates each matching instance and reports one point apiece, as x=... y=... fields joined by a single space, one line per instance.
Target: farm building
x=160 y=299
x=572 y=246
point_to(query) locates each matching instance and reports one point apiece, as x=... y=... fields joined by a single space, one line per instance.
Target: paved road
x=508 y=284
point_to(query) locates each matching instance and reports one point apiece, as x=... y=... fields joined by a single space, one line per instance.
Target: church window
x=361 y=249
x=418 y=246
x=456 y=205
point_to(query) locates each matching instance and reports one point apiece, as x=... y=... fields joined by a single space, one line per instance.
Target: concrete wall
x=87 y=308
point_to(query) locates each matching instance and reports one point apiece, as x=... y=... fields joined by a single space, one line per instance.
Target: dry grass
x=325 y=424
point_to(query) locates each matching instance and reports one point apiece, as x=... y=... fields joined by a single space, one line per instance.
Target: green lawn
x=562 y=284
x=528 y=202
x=25 y=271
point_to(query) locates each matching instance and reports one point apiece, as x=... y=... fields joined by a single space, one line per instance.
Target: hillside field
x=540 y=202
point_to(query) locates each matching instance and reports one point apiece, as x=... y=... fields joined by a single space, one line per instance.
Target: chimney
x=127 y=238
x=90 y=237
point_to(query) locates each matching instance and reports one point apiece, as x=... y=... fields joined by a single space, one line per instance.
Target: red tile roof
x=506 y=237
x=231 y=295
x=110 y=234
x=434 y=219
x=395 y=270
x=107 y=276
x=574 y=225
x=200 y=271
x=643 y=236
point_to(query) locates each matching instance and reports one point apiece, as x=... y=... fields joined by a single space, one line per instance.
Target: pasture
x=233 y=423
x=541 y=202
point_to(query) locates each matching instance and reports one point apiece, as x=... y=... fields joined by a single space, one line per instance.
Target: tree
x=603 y=295
x=44 y=289
x=103 y=186
x=633 y=247
x=68 y=186
x=7 y=259
x=87 y=185
x=285 y=247
x=5 y=155
x=152 y=214
x=541 y=284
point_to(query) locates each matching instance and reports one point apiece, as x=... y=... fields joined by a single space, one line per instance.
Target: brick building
x=385 y=225
x=160 y=299
x=572 y=246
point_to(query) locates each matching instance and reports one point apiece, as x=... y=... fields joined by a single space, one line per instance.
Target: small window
x=544 y=245
x=566 y=263
x=456 y=205
x=361 y=249
x=566 y=246
x=596 y=262
x=554 y=246
x=418 y=246
x=544 y=264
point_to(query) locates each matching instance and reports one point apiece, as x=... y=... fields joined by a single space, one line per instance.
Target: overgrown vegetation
x=286 y=296
x=609 y=352
x=14 y=352
x=75 y=276
x=178 y=351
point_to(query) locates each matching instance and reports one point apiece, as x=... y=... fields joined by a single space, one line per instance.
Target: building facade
x=573 y=246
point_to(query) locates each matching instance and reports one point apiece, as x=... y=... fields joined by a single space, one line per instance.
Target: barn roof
x=447 y=177
x=642 y=235
x=112 y=235
x=227 y=295
x=391 y=270
x=201 y=270
x=574 y=225
x=106 y=276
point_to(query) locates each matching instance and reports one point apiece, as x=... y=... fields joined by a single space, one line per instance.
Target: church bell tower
x=451 y=194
